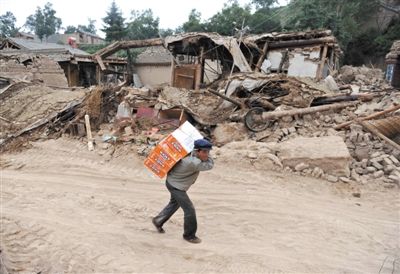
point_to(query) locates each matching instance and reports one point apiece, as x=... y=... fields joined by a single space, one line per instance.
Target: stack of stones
x=372 y=159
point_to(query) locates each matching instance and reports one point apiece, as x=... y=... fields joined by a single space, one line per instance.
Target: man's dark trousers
x=179 y=198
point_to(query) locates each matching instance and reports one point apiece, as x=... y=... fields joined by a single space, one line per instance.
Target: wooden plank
x=267 y=116
x=202 y=63
x=376 y=132
x=301 y=42
x=100 y=62
x=262 y=57
x=185 y=76
x=197 y=77
x=369 y=117
x=283 y=60
x=322 y=63
x=69 y=75
x=172 y=71
x=89 y=133
x=113 y=48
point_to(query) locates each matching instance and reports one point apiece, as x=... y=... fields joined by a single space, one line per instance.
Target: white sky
x=172 y=13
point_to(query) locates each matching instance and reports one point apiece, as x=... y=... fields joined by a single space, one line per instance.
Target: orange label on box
x=164 y=156
x=155 y=168
x=171 y=149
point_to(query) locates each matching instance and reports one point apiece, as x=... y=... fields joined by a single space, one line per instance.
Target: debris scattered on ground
x=346 y=125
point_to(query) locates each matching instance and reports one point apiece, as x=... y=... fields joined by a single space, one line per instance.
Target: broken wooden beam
x=267 y=116
x=376 y=132
x=113 y=48
x=324 y=100
x=89 y=133
x=283 y=60
x=322 y=63
x=301 y=42
x=262 y=57
x=100 y=62
x=44 y=121
x=369 y=117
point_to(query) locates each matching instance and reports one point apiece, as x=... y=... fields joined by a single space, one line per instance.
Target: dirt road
x=64 y=209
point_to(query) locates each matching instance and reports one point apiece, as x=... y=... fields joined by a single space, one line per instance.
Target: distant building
x=27 y=36
x=81 y=37
x=154 y=66
x=76 y=65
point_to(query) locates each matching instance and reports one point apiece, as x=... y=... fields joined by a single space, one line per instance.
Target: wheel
x=253 y=120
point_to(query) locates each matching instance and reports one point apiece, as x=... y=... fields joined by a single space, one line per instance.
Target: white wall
x=154 y=75
x=302 y=62
x=300 y=66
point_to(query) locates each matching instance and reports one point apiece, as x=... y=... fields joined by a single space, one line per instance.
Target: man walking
x=179 y=180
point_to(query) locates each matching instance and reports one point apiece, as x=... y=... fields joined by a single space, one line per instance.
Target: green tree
x=44 y=22
x=7 y=25
x=265 y=19
x=70 y=29
x=90 y=27
x=193 y=23
x=263 y=3
x=372 y=44
x=229 y=19
x=114 y=24
x=166 y=32
x=143 y=25
x=343 y=17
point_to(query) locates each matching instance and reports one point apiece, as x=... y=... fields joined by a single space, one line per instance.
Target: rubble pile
x=368 y=153
x=265 y=121
x=276 y=88
x=342 y=127
x=280 y=93
x=32 y=67
x=365 y=78
x=25 y=106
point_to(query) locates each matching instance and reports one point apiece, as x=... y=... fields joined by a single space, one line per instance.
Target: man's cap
x=202 y=144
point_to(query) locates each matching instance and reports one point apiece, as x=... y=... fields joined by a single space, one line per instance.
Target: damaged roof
x=192 y=42
x=28 y=45
x=293 y=39
x=154 y=55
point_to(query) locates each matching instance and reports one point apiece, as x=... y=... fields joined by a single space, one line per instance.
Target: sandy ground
x=67 y=210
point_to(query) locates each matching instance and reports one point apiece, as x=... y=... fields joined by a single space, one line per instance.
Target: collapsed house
x=201 y=58
x=307 y=54
x=247 y=101
x=191 y=60
x=77 y=66
x=154 y=66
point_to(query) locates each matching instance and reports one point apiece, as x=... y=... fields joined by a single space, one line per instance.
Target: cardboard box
x=171 y=149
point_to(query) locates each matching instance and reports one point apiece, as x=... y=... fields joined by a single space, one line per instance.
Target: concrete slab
x=329 y=153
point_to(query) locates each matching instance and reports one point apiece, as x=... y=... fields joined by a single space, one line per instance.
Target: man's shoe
x=158 y=227
x=194 y=240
